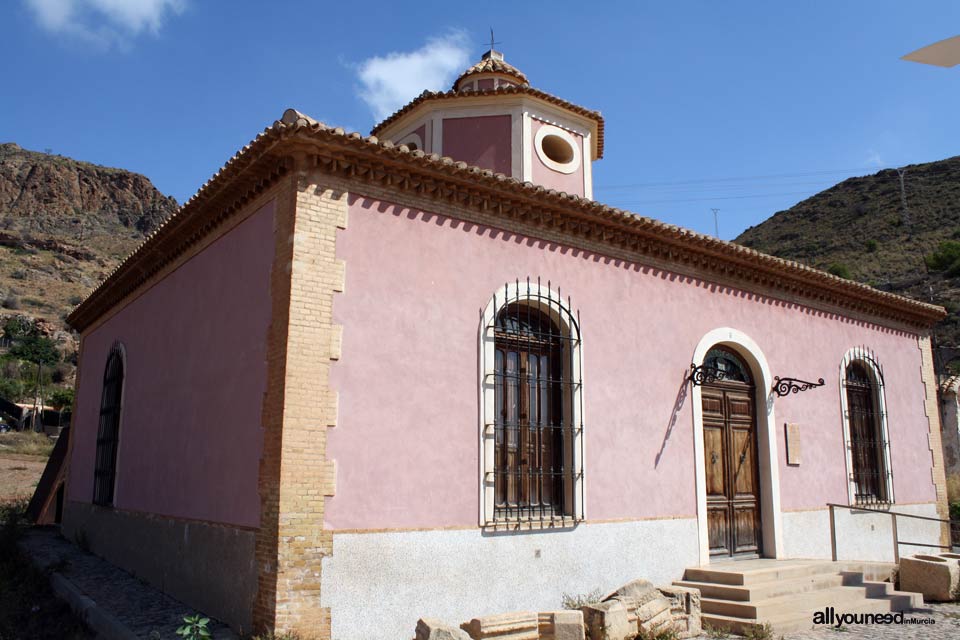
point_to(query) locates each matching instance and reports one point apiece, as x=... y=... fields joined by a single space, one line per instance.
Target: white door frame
x=767 y=456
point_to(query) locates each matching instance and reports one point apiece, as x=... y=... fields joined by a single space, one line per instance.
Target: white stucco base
x=378 y=584
x=860 y=535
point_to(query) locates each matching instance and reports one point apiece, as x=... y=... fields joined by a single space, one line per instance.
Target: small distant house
x=359 y=380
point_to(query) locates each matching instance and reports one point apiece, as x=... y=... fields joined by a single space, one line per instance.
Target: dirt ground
x=19 y=475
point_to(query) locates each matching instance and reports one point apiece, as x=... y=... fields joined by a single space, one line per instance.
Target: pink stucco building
x=359 y=380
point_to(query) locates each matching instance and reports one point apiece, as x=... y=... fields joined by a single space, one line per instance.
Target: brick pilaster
x=295 y=476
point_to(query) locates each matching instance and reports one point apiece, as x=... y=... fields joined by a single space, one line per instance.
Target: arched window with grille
x=532 y=416
x=865 y=429
x=108 y=432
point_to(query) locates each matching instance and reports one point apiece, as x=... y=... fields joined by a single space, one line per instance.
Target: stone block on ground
x=640 y=590
x=561 y=625
x=934 y=576
x=610 y=620
x=433 y=629
x=520 y=625
x=685 y=609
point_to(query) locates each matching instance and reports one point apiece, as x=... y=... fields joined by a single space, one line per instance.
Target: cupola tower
x=492 y=118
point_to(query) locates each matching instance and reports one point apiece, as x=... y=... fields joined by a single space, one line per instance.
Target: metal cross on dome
x=492 y=41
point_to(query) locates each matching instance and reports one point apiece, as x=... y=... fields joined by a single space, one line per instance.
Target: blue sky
x=748 y=107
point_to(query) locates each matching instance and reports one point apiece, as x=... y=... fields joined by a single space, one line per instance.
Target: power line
x=739 y=197
x=824 y=172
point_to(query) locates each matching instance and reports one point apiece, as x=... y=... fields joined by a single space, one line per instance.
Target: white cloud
x=874 y=159
x=103 y=22
x=388 y=82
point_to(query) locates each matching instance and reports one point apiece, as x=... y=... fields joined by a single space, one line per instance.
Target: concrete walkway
x=113 y=603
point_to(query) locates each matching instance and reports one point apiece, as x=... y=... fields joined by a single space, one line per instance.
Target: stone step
x=771 y=607
x=763 y=591
x=733 y=576
x=803 y=620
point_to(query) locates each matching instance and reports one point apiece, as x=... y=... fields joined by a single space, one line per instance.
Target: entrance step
x=736 y=596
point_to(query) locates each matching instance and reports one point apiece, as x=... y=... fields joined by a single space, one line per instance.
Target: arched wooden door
x=730 y=451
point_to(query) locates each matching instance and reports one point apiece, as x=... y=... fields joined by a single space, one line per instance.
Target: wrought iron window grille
x=868 y=448
x=108 y=431
x=535 y=421
x=786 y=386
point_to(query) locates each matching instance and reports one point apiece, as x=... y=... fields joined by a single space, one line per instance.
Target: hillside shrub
x=946 y=258
x=840 y=270
x=871 y=246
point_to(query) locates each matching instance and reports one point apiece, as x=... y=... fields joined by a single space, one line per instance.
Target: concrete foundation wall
x=209 y=566
x=860 y=535
x=377 y=584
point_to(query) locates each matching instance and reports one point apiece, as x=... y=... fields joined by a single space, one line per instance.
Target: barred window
x=108 y=432
x=531 y=433
x=868 y=449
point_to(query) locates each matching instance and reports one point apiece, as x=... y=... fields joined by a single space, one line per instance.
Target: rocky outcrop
x=45 y=193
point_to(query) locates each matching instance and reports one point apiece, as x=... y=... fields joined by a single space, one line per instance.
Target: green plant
x=759 y=632
x=194 y=628
x=871 y=246
x=840 y=270
x=664 y=631
x=946 y=258
x=577 y=600
x=716 y=633
x=61 y=399
x=39 y=350
x=26 y=443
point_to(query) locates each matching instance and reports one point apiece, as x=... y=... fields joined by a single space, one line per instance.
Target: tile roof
x=492 y=64
x=251 y=167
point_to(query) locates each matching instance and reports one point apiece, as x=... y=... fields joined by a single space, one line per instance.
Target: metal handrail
x=893 y=525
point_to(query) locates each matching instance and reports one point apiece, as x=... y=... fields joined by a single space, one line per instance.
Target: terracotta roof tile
x=492 y=64
x=806 y=282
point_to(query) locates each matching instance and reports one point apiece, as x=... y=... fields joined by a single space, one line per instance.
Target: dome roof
x=492 y=62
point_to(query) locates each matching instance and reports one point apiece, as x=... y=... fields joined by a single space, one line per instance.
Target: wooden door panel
x=744 y=463
x=714 y=455
x=718 y=529
x=712 y=400
x=746 y=528
x=739 y=406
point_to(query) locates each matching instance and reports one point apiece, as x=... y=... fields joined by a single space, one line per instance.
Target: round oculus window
x=557 y=149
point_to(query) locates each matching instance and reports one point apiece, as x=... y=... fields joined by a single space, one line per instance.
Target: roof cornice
x=351 y=156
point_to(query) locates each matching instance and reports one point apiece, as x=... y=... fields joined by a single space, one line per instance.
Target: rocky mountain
x=881 y=231
x=64 y=225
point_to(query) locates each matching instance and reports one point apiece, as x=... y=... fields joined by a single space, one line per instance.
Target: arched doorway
x=731 y=464
x=772 y=519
